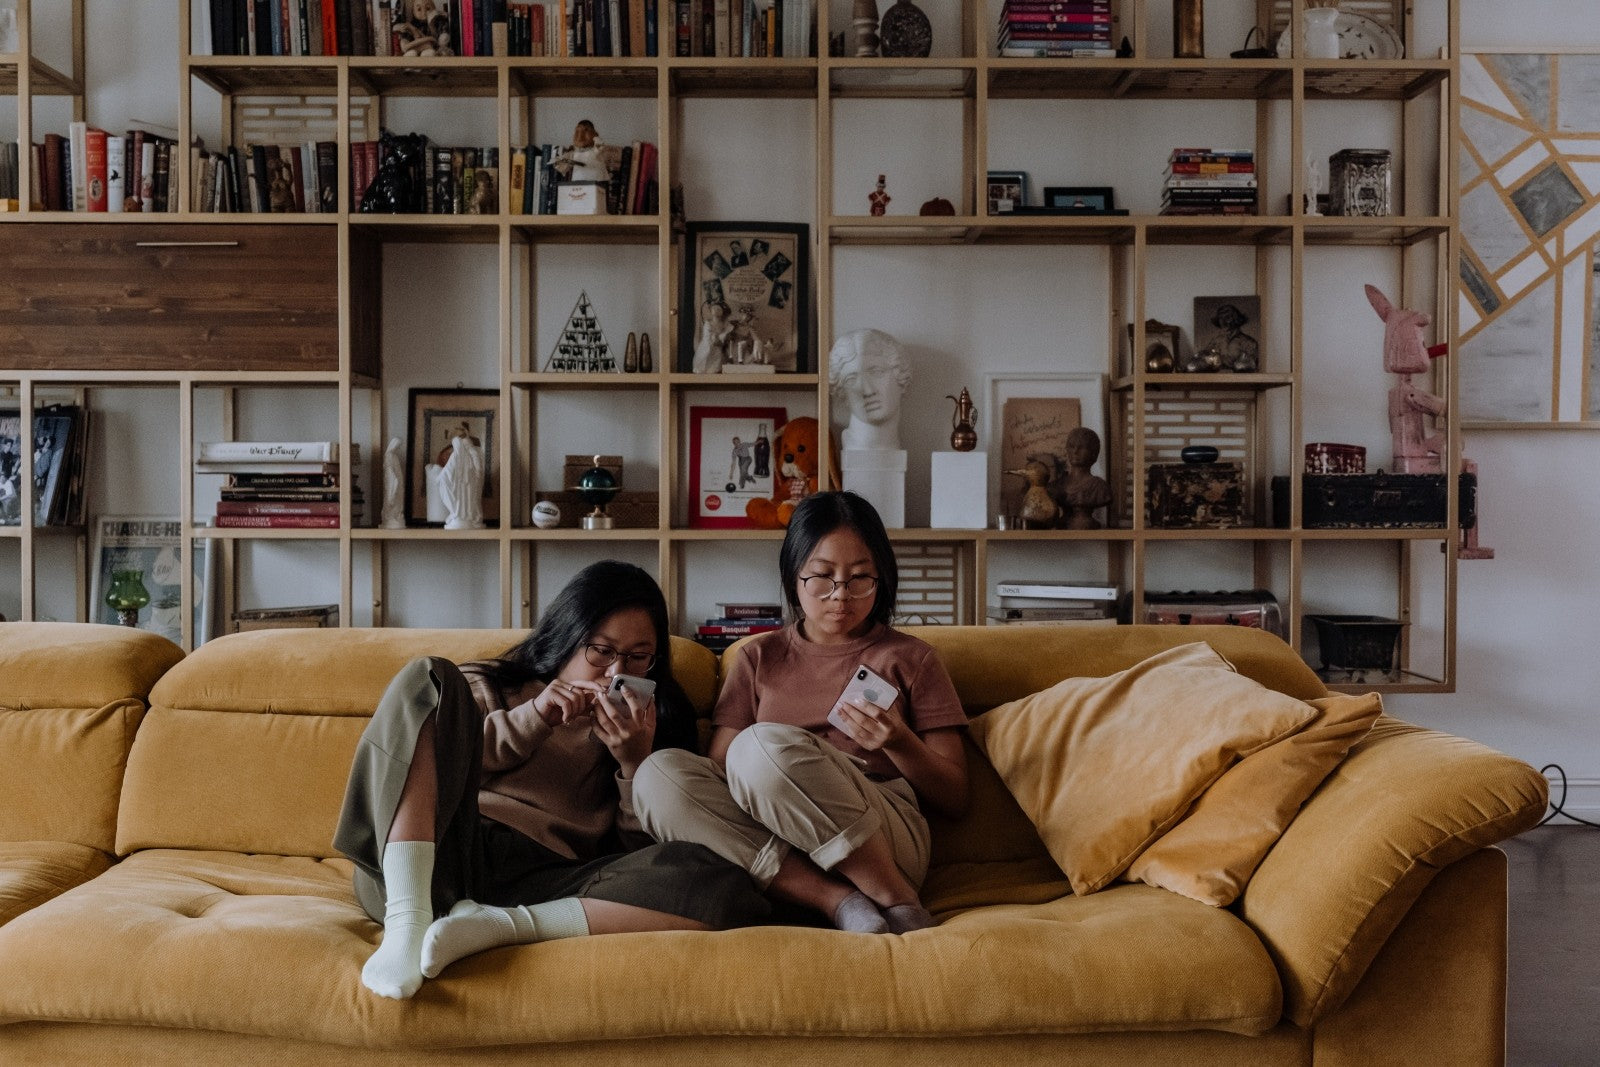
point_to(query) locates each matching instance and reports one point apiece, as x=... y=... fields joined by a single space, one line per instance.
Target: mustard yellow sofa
x=226 y=930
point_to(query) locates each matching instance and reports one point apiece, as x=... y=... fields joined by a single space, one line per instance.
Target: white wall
x=1528 y=668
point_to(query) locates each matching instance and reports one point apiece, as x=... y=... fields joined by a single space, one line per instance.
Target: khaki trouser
x=782 y=786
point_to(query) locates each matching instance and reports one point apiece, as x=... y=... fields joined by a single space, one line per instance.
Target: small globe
x=597 y=486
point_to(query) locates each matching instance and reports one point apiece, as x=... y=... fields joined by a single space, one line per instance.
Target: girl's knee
x=764 y=753
x=661 y=779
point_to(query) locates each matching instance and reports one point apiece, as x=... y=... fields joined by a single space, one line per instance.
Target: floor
x=1553 y=1010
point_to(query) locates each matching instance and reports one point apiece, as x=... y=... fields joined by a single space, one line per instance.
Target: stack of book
x=279 y=484
x=1054 y=602
x=1210 y=181
x=307 y=616
x=736 y=621
x=1056 y=28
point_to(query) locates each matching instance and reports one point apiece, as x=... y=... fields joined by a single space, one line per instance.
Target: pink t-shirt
x=782 y=677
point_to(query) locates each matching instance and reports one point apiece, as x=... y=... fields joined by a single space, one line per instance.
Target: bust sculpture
x=1081 y=490
x=867 y=374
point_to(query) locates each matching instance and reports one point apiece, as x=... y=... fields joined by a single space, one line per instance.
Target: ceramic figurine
x=394 y=498
x=1081 y=490
x=1416 y=451
x=964 y=421
x=461 y=485
x=864 y=17
x=1039 y=510
x=879 y=198
x=630 y=354
x=646 y=360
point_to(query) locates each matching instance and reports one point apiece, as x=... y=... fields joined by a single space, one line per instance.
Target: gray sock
x=857 y=914
x=904 y=918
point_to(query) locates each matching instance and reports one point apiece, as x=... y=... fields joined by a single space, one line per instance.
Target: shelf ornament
x=582 y=345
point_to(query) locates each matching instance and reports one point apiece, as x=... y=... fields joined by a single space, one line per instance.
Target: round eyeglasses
x=605 y=656
x=855 y=587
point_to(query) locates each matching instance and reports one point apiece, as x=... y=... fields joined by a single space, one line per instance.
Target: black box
x=1373 y=501
x=1194 y=495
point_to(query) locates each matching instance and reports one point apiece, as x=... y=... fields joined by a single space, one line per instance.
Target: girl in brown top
x=820 y=814
x=491 y=804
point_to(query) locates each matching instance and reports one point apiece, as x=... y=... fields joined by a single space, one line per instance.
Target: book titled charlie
x=267 y=452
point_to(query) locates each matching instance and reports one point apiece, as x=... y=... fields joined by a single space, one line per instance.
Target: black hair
x=819 y=515
x=593 y=595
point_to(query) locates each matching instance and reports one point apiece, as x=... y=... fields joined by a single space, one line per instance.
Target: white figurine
x=868 y=374
x=1315 y=185
x=461 y=486
x=394 y=501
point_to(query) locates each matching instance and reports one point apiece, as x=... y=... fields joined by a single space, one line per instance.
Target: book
x=1080 y=609
x=745 y=610
x=276 y=522
x=1106 y=620
x=309 y=615
x=740 y=629
x=277 y=507
x=268 y=451
x=1044 y=51
x=245 y=467
x=1051 y=589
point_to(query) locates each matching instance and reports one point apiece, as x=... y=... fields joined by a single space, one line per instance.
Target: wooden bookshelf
x=1421 y=90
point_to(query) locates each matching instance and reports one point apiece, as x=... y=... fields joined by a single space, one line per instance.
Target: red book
x=54 y=158
x=94 y=167
x=330 y=29
x=278 y=522
x=276 y=507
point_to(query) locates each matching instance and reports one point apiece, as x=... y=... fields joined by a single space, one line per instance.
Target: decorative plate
x=1359 y=38
x=904 y=31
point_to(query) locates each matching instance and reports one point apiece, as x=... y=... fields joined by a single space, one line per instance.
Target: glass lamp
x=127 y=595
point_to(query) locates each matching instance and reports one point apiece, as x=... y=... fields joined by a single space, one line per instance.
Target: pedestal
x=960 y=491
x=879 y=474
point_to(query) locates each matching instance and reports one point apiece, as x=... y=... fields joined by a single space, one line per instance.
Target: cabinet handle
x=186 y=244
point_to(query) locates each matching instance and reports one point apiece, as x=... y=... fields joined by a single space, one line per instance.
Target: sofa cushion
x=248 y=742
x=1212 y=852
x=1103 y=766
x=71 y=696
x=31 y=872
x=274 y=946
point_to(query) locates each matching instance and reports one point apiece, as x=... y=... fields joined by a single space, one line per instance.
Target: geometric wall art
x=1529 y=170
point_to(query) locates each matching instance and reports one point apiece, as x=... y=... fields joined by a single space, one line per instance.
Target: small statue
x=394 y=502
x=586 y=158
x=1039 y=510
x=711 y=350
x=423 y=30
x=879 y=198
x=396 y=189
x=630 y=354
x=864 y=17
x=868 y=374
x=964 y=421
x=461 y=485
x=1315 y=186
x=1081 y=490
x=646 y=360
x=1416 y=451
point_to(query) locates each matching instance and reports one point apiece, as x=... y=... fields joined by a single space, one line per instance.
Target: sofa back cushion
x=248 y=742
x=71 y=695
x=992 y=665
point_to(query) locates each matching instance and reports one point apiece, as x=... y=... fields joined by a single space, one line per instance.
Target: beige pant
x=782 y=786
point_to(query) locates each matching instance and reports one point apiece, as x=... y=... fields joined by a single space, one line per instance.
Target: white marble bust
x=868 y=373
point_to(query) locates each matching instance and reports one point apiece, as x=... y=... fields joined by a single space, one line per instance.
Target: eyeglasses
x=855 y=587
x=605 y=656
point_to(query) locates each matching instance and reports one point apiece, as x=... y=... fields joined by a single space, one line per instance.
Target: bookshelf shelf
x=510 y=101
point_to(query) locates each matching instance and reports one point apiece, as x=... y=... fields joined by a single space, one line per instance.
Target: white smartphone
x=643 y=688
x=865 y=684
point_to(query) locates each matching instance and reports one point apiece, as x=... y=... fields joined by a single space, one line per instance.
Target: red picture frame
x=727 y=466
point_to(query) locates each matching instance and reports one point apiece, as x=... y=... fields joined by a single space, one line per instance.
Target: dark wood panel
x=169 y=297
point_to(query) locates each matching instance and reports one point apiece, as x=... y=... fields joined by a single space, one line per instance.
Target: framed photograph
x=1033 y=413
x=152 y=545
x=1161 y=351
x=437 y=417
x=53 y=433
x=730 y=462
x=1007 y=191
x=1090 y=199
x=744 y=299
x=1226 y=334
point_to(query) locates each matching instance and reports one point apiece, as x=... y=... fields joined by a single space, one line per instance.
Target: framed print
x=1226 y=329
x=1090 y=199
x=1033 y=413
x=730 y=462
x=1161 y=351
x=152 y=545
x=1007 y=191
x=54 y=435
x=744 y=299
x=437 y=417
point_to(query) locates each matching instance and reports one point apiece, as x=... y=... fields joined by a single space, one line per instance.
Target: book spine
x=94 y=169
x=1057 y=591
x=116 y=185
x=268 y=451
x=278 y=522
x=275 y=507
x=281 y=481
x=737 y=629
x=748 y=612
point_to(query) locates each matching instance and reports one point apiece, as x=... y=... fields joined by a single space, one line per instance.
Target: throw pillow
x=1104 y=766
x=1211 y=854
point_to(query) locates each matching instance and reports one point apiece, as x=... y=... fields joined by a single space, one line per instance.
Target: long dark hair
x=592 y=596
x=819 y=515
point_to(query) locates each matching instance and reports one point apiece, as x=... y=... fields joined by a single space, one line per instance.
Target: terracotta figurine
x=1416 y=451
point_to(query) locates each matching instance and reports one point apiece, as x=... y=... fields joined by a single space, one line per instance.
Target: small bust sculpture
x=394 y=502
x=461 y=485
x=868 y=373
x=1080 y=490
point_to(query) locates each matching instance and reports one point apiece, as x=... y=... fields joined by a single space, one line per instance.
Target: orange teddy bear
x=794 y=458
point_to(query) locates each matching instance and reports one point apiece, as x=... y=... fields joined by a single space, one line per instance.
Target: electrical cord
x=1556 y=804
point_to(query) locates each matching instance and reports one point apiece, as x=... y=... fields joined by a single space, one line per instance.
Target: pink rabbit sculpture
x=1416 y=450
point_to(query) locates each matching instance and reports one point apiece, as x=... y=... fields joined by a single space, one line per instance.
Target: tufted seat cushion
x=31 y=872
x=273 y=946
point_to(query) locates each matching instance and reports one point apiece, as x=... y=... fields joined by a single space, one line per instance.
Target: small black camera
x=861 y=674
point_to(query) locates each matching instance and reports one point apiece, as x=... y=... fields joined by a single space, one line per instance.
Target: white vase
x=1322 y=33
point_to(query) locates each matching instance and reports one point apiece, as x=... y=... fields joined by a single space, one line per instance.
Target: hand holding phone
x=865 y=684
x=643 y=690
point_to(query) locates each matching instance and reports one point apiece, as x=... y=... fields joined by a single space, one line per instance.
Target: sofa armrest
x=1405 y=803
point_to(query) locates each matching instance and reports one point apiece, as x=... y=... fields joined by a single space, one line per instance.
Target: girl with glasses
x=824 y=813
x=491 y=804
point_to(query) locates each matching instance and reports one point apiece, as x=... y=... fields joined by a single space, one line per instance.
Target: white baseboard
x=1583 y=798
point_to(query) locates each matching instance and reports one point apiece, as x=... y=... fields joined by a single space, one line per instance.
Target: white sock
x=472 y=927
x=395 y=970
